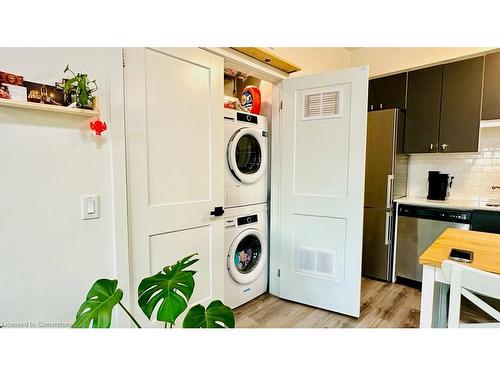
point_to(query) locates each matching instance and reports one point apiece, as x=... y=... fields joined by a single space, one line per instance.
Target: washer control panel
x=247 y=219
x=229 y=223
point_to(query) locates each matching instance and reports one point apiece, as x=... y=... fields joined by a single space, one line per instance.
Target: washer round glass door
x=247 y=155
x=247 y=256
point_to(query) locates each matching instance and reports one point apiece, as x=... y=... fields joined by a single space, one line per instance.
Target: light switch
x=90 y=207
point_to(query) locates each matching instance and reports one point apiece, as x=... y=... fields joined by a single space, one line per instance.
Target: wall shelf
x=48 y=108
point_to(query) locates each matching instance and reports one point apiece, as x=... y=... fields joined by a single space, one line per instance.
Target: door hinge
x=281 y=105
x=123 y=57
x=279 y=273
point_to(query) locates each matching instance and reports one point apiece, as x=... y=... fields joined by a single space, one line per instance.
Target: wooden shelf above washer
x=48 y=108
x=268 y=58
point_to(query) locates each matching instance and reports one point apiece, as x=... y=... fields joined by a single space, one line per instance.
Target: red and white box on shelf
x=11 y=79
x=14 y=84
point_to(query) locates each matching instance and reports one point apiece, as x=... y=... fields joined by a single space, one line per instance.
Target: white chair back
x=465 y=280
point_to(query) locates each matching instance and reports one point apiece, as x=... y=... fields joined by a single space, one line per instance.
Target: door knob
x=444 y=147
x=218 y=211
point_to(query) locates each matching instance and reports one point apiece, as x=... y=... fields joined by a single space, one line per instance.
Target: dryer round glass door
x=247 y=256
x=247 y=155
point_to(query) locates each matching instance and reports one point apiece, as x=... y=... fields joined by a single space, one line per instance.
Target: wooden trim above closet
x=268 y=58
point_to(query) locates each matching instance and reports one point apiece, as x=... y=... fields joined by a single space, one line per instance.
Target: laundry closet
x=246 y=176
x=270 y=201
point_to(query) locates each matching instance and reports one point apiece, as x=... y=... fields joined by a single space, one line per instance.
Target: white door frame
x=272 y=75
x=274 y=209
x=116 y=124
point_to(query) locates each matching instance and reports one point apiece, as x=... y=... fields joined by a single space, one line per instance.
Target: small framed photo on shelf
x=17 y=93
x=45 y=94
x=4 y=91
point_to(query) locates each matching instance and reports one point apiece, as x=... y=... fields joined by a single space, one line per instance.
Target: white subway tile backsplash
x=488 y=154
x=482 y=161
x=468 y=183
x=474 y=173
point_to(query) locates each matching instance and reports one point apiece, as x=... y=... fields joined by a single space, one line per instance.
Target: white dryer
x=246 y=144
x=246 y=258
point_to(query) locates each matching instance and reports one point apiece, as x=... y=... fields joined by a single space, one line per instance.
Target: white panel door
x=323 y=130
x=175 y=160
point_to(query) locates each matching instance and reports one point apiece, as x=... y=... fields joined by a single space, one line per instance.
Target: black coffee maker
x=439 y=185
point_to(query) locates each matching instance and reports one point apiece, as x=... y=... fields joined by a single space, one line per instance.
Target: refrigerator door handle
x=390 y=180
x=388 y=220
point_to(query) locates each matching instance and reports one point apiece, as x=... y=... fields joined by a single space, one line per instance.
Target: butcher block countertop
x=486 y=248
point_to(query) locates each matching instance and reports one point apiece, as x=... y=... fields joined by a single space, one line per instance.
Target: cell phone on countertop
x=461 y=255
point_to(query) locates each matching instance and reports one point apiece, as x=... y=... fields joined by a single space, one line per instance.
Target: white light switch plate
x=90 y=206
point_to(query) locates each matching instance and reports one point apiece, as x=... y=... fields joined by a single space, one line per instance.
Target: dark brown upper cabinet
x=423 y=110
x=387 y=92
x=461 y=105
x=491 y=89
x=443 y=108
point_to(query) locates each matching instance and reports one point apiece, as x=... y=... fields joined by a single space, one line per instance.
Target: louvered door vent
x=324 y=104
x=316 y=261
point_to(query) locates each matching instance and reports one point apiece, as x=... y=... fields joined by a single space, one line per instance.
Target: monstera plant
x=171 y=289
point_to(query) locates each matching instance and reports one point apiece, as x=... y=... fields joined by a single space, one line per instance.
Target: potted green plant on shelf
x=171 y=289
x=79 y=90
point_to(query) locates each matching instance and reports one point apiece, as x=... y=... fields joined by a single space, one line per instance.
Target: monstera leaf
x=98 y=307
x=216 y=315
x=171 y=288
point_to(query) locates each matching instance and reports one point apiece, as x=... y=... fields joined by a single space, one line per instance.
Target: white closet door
x=320 y=225
x=175 y=160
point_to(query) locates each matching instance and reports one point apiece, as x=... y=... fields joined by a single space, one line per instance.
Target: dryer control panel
x=246 y=117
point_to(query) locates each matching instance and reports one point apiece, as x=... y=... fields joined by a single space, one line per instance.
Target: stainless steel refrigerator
x=385 y=180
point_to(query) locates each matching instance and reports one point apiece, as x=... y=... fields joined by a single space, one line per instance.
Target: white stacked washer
x=246 y=158
x=245 y=240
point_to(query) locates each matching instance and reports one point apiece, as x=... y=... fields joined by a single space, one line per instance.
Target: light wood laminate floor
x=383 y=304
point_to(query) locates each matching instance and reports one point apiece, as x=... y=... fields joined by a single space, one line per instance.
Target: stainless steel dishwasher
x=418 y=227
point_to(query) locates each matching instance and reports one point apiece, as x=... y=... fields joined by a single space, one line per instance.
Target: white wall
x=49 y=256
x=382 y=60
x=385 y=60
x=314 y=60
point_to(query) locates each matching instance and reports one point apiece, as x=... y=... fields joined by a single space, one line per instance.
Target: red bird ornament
x=98 y=126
